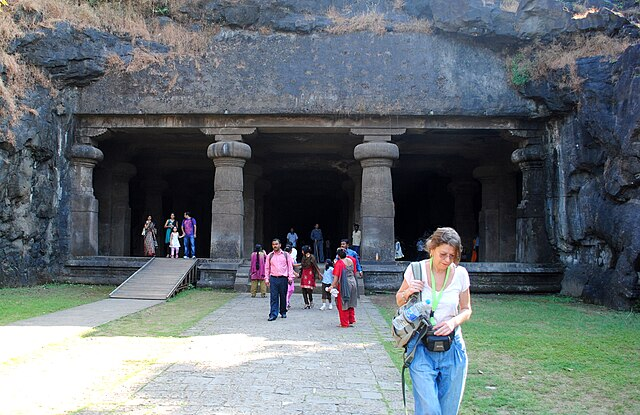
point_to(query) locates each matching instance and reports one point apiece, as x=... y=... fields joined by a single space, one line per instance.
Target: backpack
x=402 y=336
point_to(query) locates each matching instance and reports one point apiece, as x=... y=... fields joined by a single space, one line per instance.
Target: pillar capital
x=469 y=187
x=495 y=170
x=229 y=149
x=85 y=154
x=88 y=135
x=376 y=150
x=123 y=170
x=531 y=156
x=378 y=134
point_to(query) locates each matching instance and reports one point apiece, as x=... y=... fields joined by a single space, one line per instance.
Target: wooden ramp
x=158 y=279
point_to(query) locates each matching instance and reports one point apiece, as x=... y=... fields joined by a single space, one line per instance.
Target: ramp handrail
x=189 y=277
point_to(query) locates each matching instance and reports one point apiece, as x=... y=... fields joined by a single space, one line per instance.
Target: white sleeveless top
x=450 y=300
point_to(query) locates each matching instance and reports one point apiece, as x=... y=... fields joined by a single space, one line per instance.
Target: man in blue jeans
x=189 y=230
x=278 y=273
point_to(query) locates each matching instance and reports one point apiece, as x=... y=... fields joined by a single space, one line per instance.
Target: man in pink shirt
x=278 y=273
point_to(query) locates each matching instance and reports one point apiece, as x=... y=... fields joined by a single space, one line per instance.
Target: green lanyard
x=435 y=295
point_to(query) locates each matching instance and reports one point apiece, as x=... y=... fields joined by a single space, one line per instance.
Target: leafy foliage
x=520 y=70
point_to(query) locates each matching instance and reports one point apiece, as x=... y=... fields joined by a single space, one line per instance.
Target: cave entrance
x=299 y=200
x=462 y=178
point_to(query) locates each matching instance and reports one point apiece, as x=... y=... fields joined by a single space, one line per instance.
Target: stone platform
x=486 y=277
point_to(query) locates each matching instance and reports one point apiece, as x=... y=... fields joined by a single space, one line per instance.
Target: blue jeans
x=438 y=377
x=278 y=295
x=189 y=246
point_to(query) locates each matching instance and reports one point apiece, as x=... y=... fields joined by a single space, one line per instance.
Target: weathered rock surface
x=598 y=171
x=353 y=73
x=76 y=57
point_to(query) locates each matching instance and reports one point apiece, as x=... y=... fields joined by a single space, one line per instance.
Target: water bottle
x=417 y=310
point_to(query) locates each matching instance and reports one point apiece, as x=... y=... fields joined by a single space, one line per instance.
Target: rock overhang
x=352 y=74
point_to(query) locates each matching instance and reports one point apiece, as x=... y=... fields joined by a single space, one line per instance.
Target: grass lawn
x=21 y=303
x=546 y=355
x=168 y=319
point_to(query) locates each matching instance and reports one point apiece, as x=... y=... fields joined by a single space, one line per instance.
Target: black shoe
x=283 y=316
x=271 y=318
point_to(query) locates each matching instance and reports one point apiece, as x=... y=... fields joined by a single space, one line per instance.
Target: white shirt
x=356 y=237
x=450 y=299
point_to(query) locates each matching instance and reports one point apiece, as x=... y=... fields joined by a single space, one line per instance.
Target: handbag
x=401 y=329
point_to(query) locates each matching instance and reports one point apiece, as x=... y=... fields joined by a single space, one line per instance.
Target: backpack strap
x=416 y=268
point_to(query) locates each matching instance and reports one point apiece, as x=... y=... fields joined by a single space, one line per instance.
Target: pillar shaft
x=251 y=175
x=227 y=207
x=83 y=224
x=120 y=229
x=377 y=211
x=465 y=221
x=497 y=217
x=532 y=240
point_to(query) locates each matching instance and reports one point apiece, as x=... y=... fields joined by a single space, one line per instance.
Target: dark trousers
x=307 y=294
x=278 y=295
x=326 y=295
x=318 y=250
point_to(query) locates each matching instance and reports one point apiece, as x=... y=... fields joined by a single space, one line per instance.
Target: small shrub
x=537 y=61
x=520 y=70
x=371 y=21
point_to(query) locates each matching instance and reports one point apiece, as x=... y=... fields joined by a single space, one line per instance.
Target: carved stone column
x=355 y=173
x=154 y=188
x=498 y=213
x=229 y=154
x=111 y=187
x=83 y=224
x=261 y=188
x=251 y=174
x=376 y=156
x=464 y=216
x=532 y=240
x=120 y=229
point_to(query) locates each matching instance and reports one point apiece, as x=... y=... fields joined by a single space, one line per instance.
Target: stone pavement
x=232 y=362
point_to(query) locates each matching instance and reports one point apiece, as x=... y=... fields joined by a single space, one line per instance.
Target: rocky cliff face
x=592 y=141
x=594 y=196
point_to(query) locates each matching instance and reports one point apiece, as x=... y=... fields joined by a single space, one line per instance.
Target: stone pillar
x=251 y=174
x=498 y=213
x=111 y=183
x=153 y=187
x=120 y=229
x=262 y=187
x=229 y=154
x=531 y=233
x=465 y=222
x=376 y=156
x=83 y=224
x=355 y=173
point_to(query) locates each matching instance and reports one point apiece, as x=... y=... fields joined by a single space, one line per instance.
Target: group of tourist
x=172 y=236
x=277 y=271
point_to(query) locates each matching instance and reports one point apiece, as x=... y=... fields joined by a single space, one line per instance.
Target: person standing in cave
x=189 y=230
x=149 y=232
x=292 y=238
x=356 y=237
x=318 y=246
x=168 y=226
